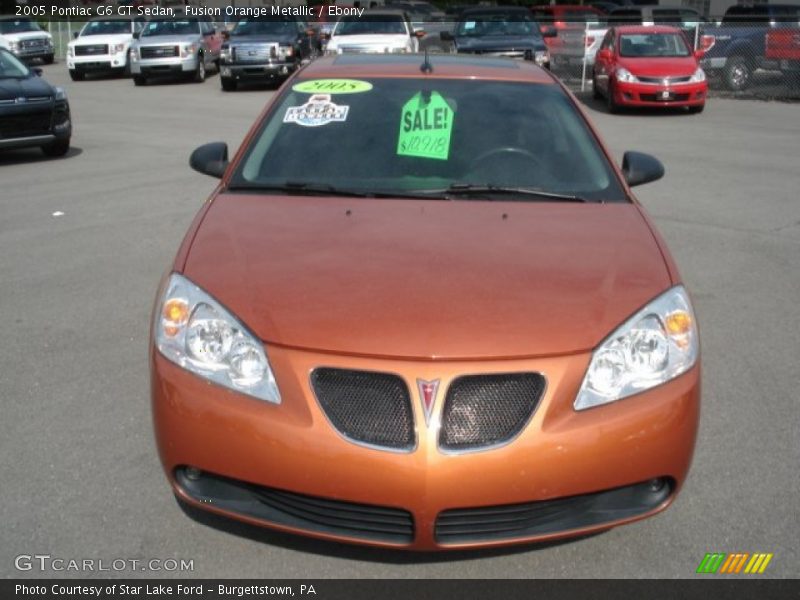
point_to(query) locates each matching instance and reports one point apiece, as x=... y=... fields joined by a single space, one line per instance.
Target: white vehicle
x=585 y=45
x=377 y=31
x=103 y=45
x=23 y=37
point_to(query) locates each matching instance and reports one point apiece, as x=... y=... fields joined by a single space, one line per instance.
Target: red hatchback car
x=649 y=66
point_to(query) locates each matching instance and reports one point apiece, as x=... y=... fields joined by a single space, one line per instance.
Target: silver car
x=186 y=48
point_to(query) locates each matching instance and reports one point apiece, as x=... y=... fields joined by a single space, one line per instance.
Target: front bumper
x=292 y=449
x=45 y=51
x=47 y=124
x=644 y=94
x=250 y=71
x=107 y=62
x=153 y=67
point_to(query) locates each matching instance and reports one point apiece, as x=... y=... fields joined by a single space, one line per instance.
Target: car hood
x=93 y=40
x=660 y=67
x=427 y=279
x=26 y=35
x=286 y=40
x=11 y=89
x=166 y=40
x=498 y=43
x=369 y=40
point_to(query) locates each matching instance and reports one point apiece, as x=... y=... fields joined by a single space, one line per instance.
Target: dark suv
x=32 y=112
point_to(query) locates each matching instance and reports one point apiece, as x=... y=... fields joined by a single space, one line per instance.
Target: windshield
x=185 y=27
x=368 y=25
x=264 y=27
x=412 y=135
x=18 y=26
x=651 y=45
x=106 y=28
x=484 y=25
x=11 y=67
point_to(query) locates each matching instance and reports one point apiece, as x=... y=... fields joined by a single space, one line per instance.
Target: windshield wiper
x=324 y=189
x=466 y=190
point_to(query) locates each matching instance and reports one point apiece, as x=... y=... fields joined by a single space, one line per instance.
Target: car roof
x=445 y=66
x=639 y=29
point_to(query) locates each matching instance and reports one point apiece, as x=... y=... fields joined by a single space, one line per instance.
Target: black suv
x=32 y=112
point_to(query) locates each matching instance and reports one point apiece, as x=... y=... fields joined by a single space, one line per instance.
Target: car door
x=603 y=66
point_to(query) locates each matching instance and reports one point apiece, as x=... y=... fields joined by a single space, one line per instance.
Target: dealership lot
x=80 y=475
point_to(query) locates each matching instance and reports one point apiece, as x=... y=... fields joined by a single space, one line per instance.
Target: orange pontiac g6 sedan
x=423 y=310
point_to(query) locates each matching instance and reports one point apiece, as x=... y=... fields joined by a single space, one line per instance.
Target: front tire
x=49 y=59
x=139 y=80
x=77 y=76
x=126 y=71
x=595 y=90
x=200 y=72
x=56 y=149
x=737 y=73
x=228 y=85
x=611 y=104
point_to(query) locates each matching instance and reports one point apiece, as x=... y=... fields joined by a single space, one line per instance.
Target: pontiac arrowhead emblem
x=427 y=394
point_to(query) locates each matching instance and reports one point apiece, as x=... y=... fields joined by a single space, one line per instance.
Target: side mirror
x=698 y=54
x=226 y=35
x=446 y=36
x=137 y=35
x=75 y=34
x=419 y=33
x=639 y=168
x=548 y=31
x=604 y=54
x=210 y=159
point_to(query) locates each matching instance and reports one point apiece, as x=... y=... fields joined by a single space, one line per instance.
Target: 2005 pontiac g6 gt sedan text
x=423 y=310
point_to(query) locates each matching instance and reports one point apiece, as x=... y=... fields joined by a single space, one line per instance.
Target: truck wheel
x=77 y=76
x=737 y=73
x=200 y=72
x=126 y=71
x=228 y=84
x=55 y=149
x=48 y=59
x=139 y=80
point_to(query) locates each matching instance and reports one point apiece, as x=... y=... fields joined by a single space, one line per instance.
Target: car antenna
x=426 y=67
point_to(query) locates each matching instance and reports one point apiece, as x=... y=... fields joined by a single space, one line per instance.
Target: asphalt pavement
x=84 y=240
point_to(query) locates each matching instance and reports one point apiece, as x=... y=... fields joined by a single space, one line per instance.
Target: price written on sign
x=426 y=126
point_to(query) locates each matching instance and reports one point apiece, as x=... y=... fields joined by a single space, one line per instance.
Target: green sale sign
x=426 y=125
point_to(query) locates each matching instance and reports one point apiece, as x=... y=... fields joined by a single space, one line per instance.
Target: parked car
x=315 y=364
x=783 y=46
x=501 y=31
x=570 y=22
x=178 y=47
x=23 y=37
x=376 y=31
x=685 y=19
x=33 y=113
x=734 y=49
x=103 y=45
x=649 y=66
x=265 y=49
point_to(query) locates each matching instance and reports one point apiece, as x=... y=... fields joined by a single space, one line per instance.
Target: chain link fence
x=748 y=60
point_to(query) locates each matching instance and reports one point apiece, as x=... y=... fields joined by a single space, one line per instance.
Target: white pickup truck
x=23 y=37
x=103 y=45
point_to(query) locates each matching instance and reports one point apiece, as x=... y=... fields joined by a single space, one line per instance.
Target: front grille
x=31 y=44
x=309 y=513
x=513 y=521
x=665 y=80
x=366 y=407
x=485 y=410
x=360 y=49
x=253 y=54
x=91 y=50
x=159 y=51
x=658 y=98
x=25 y=125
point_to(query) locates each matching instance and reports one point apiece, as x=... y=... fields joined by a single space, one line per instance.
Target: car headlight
x=654 y=346
x=541 y=57
x=195 y=332
x=225 y=54
x=188 y=50
x=13 y=46
x=61 y=94
x=698 y=76
x=70 y=50
x=285 y=51
x=117 y=48
x=626 y=76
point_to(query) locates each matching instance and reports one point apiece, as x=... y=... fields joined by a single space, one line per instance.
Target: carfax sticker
x=426 y=125
x=333 y=86
x=319 y=110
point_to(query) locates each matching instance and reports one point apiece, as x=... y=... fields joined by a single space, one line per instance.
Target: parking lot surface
x=84 y=240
